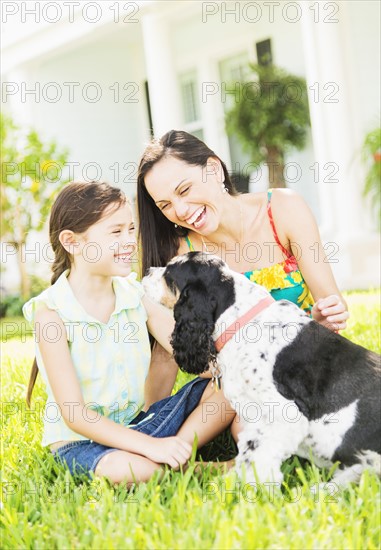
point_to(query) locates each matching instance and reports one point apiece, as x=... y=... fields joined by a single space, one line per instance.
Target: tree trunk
x=275 y=162
x=20 y=240
x=24 y=277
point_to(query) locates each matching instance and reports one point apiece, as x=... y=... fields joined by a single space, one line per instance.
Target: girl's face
x=188 y=195
x=109 y=246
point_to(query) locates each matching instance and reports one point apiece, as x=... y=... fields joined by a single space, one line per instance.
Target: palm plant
x=270 y=116
x=371 y=154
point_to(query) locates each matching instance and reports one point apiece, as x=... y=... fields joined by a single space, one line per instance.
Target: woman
x=186 y=202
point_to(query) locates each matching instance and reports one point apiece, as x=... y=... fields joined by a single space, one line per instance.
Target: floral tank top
x=283 y=280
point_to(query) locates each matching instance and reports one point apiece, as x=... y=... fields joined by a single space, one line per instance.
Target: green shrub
x=11 y=306
x=37 y=285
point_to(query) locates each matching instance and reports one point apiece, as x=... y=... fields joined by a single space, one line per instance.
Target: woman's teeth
x=196 y=215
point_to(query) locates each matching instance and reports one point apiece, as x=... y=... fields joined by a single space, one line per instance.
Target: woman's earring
x=224 y=188
x=176 y=226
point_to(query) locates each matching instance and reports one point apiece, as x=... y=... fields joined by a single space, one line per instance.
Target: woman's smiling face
x=188 y=195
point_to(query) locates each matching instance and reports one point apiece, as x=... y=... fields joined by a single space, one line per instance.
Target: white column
x=332 y=118
x=212 y=113
x=161 y=74
x=333 y=129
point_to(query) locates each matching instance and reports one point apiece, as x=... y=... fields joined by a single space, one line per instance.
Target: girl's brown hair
x=77 y=207
x=158 y=236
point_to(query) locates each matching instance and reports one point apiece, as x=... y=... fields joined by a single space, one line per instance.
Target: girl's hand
x=330 y=312
x=173 y=451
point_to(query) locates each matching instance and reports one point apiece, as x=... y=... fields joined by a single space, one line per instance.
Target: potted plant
x=270 y=116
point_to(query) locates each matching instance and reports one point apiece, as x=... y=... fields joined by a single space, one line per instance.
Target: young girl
x=93 y=351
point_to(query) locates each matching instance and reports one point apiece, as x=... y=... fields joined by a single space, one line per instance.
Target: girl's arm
x=85 y=421
x=301 y=230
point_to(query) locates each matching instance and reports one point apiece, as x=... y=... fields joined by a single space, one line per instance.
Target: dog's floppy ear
x=194 y=312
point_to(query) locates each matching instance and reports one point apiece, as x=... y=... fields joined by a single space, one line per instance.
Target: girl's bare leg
x=129 y=468
x=236 y=427
x=211 y=416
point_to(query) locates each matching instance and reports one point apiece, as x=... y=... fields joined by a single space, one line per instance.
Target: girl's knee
x=215 y=406
x=215 y=395
x=208 y=391
x=124 y=467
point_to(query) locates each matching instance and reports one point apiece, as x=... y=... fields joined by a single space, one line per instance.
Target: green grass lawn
x=43 y=507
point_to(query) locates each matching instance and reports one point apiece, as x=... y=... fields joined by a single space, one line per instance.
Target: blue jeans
x=163 y=419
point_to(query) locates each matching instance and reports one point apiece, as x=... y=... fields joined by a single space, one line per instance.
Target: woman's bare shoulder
x=253 y=199
x=287 y=204
x=283 y=201
x=286 y=207
x=280 y=196
x=285 y=196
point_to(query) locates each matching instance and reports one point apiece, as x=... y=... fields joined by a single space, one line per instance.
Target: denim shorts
x=163 y=419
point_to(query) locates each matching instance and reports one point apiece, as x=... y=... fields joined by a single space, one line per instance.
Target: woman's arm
x=298 y=226
x=163 y=368
x=68 y=395
x=160 y=322
x=161 y=376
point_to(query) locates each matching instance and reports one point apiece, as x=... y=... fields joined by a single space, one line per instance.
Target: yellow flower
x=296 y=276
x=45 y=165
x=35 y=186
x=305 y=298
x=271 y=277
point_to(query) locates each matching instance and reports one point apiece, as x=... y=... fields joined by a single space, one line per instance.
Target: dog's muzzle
x=156 y=289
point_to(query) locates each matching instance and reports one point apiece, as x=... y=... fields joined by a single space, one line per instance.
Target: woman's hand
x=330 y=312
x=173 y=451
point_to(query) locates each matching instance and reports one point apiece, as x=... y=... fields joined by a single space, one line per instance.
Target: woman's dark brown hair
x=77 y=207
x=158 y=236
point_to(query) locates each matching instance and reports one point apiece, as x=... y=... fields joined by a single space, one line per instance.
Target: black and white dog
x=299 y=387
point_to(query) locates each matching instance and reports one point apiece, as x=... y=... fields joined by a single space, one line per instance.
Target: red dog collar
x=241 y=322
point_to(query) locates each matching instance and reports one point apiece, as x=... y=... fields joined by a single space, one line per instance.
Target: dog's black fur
x=323 y=372
x=204 y=294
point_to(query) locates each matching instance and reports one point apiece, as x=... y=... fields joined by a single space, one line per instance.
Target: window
x=233 y=71
x=190 y=98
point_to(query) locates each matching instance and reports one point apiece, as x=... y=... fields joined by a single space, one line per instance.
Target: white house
x=96 y=75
